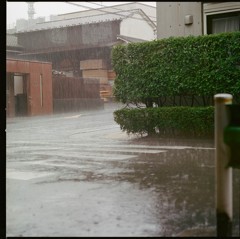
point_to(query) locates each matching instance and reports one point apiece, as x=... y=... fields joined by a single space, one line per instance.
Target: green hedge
x=190 y=66
x=167 y=121
x=178 y=71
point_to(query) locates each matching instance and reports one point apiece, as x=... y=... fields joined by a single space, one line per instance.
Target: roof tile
x=78 y=21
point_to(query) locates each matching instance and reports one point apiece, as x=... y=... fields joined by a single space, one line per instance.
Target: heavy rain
x=71 y=171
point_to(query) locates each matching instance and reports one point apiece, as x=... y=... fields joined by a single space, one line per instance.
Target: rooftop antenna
x=31 y=11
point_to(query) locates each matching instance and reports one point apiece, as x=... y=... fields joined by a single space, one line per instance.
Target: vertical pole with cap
x=223 y=173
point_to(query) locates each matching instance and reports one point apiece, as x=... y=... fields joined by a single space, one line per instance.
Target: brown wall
x=32 y=71
x=75 y=87
x=75 y=94
x=67 y=87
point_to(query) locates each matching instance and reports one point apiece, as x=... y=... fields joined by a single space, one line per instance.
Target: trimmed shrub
x=179 y=71
x=167 y=121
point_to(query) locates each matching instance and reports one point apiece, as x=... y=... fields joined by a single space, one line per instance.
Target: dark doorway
x=20 y=94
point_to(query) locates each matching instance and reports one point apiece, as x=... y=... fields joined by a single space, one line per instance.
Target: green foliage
x=174 y=72
x=167 y=121
x=180 y=66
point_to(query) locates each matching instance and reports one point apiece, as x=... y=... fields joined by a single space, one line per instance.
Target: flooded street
x=77 y=174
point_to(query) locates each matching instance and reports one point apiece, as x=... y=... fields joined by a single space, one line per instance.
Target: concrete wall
x=39 y=101
x=170 y=16
x=172 y=19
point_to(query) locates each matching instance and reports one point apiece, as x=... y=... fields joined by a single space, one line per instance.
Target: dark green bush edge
x=167 y=121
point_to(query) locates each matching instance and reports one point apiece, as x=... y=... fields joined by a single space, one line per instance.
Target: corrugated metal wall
x=73 y=94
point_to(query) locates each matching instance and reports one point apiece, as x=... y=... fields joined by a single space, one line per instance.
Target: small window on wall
x=226 y=22
x=41 y=90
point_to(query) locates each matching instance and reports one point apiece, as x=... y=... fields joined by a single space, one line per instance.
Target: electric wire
x=114 y=7
x=104 y=11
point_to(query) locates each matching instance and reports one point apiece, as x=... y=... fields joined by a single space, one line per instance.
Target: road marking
x=57 y=164
x=26 y=175
x=78 y=156
x=72 y=117
x=69 y=144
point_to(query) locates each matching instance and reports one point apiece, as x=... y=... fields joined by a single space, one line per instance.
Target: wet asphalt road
x=77 y=174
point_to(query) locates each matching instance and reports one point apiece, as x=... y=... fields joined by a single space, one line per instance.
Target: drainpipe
x=223 y=173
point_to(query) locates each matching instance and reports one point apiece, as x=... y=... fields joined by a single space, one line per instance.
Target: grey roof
x=129 y=39
x=79 y=21
x=12 y=41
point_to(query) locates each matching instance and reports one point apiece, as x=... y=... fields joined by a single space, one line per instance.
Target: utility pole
x=31 y=11
x=223 y=173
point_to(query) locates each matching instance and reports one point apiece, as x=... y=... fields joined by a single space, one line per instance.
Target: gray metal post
x=223 y=173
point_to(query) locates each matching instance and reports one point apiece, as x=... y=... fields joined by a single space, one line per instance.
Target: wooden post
x=223 y=173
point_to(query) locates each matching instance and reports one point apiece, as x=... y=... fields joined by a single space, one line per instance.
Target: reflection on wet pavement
x=79 y=175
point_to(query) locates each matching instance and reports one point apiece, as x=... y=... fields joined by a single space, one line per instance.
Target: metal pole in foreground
x=223 y=173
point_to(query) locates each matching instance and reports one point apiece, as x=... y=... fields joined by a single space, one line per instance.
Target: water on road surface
x=77 y=174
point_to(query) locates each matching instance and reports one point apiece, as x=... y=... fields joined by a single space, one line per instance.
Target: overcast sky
x=18 y=10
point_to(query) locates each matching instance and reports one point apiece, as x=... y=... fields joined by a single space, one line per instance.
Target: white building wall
x=171 y=19
x=132 y=27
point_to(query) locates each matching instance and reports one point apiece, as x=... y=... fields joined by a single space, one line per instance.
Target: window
x=226 y=22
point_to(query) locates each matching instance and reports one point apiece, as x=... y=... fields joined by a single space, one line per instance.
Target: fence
x=75 y=93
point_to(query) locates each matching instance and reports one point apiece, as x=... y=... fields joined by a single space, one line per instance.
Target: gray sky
x=18 y=10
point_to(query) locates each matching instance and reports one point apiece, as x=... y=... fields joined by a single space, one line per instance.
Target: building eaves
x=129 y=39
x=65 y=49
x=78 y=21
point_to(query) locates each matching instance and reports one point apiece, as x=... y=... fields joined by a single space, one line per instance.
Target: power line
x=79 y=5
x=104 y=11
x=113 y=7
